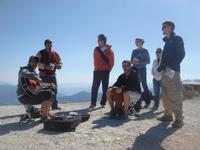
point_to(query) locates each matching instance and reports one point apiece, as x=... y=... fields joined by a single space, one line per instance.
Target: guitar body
x=30 y=87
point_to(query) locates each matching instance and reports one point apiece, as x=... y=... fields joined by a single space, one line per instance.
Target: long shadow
x=11 y=116
x=153 y=138
x=16 y=126
x=105 y=121
x=148 y=115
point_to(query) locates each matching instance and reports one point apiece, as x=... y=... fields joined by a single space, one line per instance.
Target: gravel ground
x=101 y=133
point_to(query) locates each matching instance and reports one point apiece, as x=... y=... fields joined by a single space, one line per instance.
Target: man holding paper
x=171 y=85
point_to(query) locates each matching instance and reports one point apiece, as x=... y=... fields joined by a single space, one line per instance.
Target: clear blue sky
x=73 y=26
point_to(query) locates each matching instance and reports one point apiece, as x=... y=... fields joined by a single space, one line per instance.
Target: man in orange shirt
x=103 y=64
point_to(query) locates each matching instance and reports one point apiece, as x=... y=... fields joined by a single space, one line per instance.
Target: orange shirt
x=99 y=64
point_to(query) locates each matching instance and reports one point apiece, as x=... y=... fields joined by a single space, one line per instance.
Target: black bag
x=65 y=123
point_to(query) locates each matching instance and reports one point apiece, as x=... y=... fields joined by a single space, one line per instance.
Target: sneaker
x=92 y=106
x=177 y=124
x=165 y=118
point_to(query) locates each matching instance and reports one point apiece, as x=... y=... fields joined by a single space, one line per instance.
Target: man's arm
x=180 y=50
x=30 y=75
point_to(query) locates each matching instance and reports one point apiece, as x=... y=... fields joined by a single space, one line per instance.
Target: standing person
x=171 y=85
x=140 y=58
x=156 y=78
x=49 y=62
x=103 y=64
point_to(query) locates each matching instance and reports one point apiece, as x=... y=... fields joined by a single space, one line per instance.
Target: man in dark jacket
x=171 y=85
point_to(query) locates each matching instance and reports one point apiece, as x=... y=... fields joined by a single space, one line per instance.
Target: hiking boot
x=102 y=106
x=155 y=108
x=92 y=106
x=177 y=124
x=165 y=118
x=146 y=106
x=112 y=114
x=124 y=115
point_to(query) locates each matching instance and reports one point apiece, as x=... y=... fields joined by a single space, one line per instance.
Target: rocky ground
x=101 y=133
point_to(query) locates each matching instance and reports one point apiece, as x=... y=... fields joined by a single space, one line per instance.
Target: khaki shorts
x=134 y=96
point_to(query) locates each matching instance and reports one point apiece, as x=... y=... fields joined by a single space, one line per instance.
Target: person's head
x=33 y=61
x=168 y=28
x=158 y=53
x=139 y=42
x=126 y=65
x=48 y=44
x=102 y=40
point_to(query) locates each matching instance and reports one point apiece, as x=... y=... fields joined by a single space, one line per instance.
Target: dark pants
x=143 y=79
x=51 y=79
x=43 y=95
x=156 y=87
x=98 y=77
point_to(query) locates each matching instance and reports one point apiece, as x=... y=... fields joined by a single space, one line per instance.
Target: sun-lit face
x=158 y=55
x=126 y=67
x=48 y=46
x=138 y=43
x=101 y=43
x=33 y=63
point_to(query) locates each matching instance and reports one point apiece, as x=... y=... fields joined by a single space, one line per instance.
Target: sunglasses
x=125 y=66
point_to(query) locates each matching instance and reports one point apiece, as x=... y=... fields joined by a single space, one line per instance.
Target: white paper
x=170 y=73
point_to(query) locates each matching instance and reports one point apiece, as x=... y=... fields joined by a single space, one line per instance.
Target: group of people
x=165 y=71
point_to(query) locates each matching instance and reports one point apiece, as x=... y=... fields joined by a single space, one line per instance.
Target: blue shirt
x=143 y=56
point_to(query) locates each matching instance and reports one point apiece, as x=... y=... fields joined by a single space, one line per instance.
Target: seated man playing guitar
x=31 y=90
x=125 y=90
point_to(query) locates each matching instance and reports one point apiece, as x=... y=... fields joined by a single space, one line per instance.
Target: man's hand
x=136 y=61
x=52 y=86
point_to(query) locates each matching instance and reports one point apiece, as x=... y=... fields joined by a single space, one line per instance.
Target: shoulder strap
x=103 y=56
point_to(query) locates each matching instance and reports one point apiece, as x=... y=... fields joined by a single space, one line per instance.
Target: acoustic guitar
x=33 y=87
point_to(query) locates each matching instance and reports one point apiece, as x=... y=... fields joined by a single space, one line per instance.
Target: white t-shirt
x=156 y=75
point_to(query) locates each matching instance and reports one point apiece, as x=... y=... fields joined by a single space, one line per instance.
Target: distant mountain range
x=66 y=94
x=8 y=95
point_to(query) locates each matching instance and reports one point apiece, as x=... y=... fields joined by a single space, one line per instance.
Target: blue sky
x=73 y=26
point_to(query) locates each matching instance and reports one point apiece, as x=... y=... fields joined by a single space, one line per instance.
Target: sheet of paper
x=170 y=73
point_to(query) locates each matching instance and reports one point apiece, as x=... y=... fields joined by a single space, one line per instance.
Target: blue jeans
x=156 y=87
x=143 y=79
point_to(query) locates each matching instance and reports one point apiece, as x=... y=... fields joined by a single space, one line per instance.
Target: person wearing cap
x=103 y=64
x=49 y=62
x=171 y=85
x=156 y=78
x=43 y=97
x=140 y=58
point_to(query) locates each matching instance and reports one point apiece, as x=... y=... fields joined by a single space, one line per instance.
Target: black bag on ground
x=65 y=123
x=62 y=123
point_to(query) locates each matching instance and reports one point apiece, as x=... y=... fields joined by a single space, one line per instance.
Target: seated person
x=30 y=89
x=127 y=84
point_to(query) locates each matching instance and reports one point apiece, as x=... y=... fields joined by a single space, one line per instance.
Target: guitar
x=33 y=87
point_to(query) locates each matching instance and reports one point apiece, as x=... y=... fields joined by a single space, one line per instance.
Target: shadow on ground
x=153 y=138
x=16 y=126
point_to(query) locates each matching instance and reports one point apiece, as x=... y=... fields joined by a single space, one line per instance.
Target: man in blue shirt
x=140 y=58
x=171 y=85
